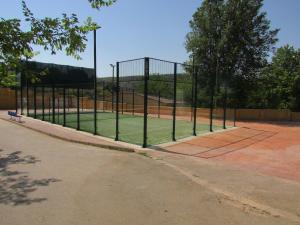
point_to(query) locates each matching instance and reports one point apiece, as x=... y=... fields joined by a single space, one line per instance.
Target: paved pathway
x=69 y=134
x=44 y=180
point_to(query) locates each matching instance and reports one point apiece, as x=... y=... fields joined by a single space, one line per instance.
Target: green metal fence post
x=133 y=102
x=53 y=104
x=146 y=77
x=22 y=106
x=16 y=99
x=64 y=106
x=211 y=108
x=78 y=109
x=68 y=95
x=174 y=102
x=193 y=90
x=122 y=101
x=225 y=108
x=234 y=116
x=81 y=99
x=195 y=80
x=95 y=82
x=34 y=100
x=103 y=97
x=43 y=103
x=159 y=104
x=58 y=109
x=117 y=88
x=27 y=98
x=112 y=99
x=49 y=109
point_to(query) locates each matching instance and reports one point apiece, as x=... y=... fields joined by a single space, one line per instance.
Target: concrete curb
x=110 y=147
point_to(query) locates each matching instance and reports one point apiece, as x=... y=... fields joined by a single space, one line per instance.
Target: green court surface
x=131 y=126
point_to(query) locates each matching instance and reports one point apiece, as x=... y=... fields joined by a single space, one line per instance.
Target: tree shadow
x=16 y=186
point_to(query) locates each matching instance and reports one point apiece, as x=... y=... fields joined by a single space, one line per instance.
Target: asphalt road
x=52 y=182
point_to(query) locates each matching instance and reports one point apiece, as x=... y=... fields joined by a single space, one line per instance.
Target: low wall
x=267 y=115
x=241 y=114
x=7 y=99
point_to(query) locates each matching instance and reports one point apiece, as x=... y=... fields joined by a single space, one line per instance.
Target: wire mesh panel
x=72 y=120
x=131 y=77
x=47 y=104
x=184 y=101
x=80 y=108
x=59 y=105
x=160 y=101
x=106 y=118
x=18 y=100
x=30 y=101
x=38 y=103
x=23 y=103
x=203 y=93
x=218 y=109
x=150 y=102
x=230 y=109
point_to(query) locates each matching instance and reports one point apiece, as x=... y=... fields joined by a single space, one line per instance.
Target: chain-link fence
x=149 y=102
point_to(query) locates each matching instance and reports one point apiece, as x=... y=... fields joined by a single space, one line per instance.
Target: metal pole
x=117 y=103
x=234 y=116
x=22 y=107
x=43 y=103
x=126 y=105
x=34 y=100
x=64 y=105
x=27 y=98
x=133 y=101
x=49 y=110
x=112 y=93
x=16 y=99
x=122 y=101
x=78 y=110
x=193 y=90
x=159 y=104
x=95 y=82
x=81 y=99
x=68 y=93
x=211 y=108
x=53 y=104
x=174 y=102
x=225 y=108
x=112 y=100
x=146 y=77
x=103 y=98
x=58 y=109
x=195 y=80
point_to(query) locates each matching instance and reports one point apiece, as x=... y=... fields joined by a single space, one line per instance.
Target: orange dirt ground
x=269 y=148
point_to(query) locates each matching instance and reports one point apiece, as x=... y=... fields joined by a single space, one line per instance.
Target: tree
x=54 y=34
x=280 y=80
x=230 y=41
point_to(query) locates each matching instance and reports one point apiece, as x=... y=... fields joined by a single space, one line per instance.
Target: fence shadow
x=230 y=148
x=16 y=186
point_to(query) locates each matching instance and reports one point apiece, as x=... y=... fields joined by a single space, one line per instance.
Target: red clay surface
x=270 y=148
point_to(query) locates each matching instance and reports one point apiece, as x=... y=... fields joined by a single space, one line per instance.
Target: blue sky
x=138 y=28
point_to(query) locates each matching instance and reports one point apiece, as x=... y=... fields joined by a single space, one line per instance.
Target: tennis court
x=149 y=102
x=130 y=126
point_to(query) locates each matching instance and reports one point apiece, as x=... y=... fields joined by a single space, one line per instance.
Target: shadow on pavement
x=16 y=186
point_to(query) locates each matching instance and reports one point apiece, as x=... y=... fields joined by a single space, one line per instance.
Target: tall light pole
x=95 y=81
x=113 y=71
x=113 y=88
